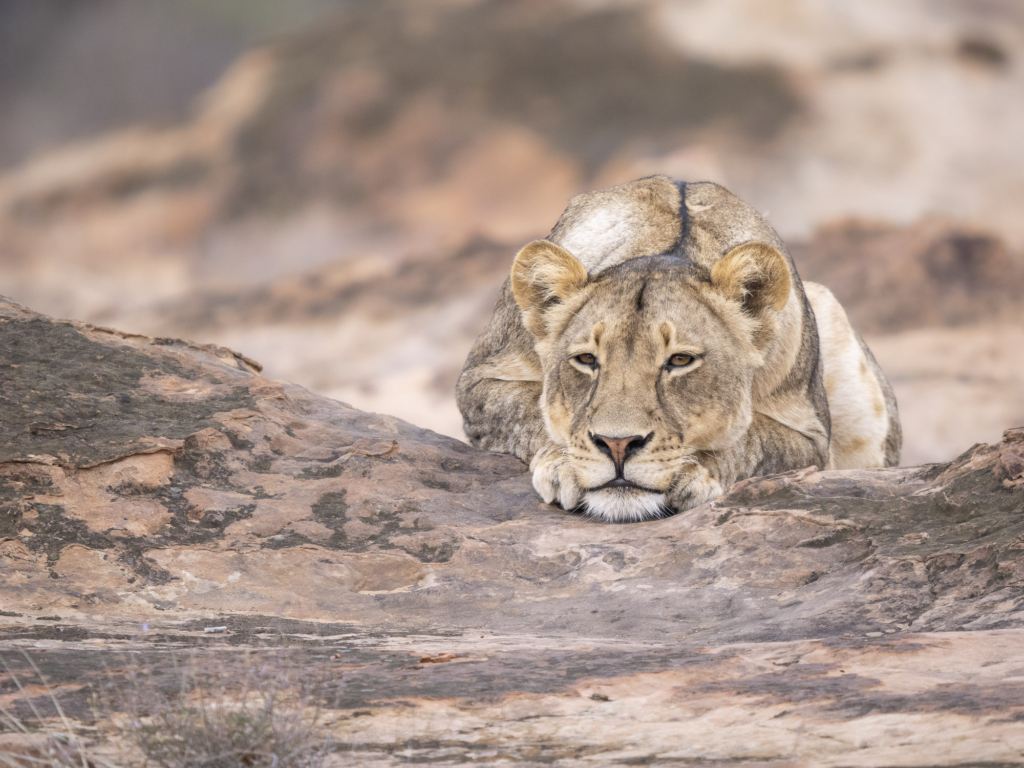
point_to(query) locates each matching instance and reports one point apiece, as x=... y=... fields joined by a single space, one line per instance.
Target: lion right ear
x=543 y=276
x=756 y=276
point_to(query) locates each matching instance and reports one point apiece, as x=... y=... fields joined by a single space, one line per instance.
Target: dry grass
x=254 y=712
x=39 y=744
x=257 y=710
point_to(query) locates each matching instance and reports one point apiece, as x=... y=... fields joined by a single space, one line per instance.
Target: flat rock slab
x=839 y=618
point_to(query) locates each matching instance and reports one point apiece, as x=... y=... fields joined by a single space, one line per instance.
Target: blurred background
x=337 y=188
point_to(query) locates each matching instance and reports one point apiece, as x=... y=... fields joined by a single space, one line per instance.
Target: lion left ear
x=544 y=274
x=754 y=274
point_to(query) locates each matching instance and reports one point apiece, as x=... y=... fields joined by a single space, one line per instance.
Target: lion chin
x=625 y=505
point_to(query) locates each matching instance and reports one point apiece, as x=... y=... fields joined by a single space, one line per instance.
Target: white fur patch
x=860 y=420
x=599 y=240
x=624 y=507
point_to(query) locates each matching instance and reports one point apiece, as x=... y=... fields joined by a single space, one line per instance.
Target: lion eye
x=680 y=360
x=586 y=359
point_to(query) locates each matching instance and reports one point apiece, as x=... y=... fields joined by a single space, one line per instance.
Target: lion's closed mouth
x=623 y=483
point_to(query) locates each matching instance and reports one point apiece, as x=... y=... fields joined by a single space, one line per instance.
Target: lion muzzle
x=620 y=449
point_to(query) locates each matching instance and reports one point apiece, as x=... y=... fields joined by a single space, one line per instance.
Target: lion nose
x=619 y=449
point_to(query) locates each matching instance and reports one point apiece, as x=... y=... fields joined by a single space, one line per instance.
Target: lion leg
x=499 y=390
x=865 y=421
x=501 y=415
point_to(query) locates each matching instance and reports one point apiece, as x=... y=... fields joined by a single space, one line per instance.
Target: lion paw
x=553 y=479
x=699 y=489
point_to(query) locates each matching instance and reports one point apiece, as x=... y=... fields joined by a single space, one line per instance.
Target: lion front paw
x=553 y=479
x=697 y=489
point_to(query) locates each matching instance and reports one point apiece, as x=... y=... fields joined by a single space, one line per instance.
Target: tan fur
x=638 y=273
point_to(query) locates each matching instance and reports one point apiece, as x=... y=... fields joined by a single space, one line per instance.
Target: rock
x=160 y=483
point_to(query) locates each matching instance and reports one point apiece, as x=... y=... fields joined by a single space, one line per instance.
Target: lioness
x=658 y=346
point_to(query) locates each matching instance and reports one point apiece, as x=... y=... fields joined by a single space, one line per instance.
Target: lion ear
x=544 y=275
x=755 y=275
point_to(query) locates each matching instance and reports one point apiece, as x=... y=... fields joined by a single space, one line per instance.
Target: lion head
x=648 y=371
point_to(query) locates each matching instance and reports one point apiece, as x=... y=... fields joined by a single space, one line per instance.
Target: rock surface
x=827 y=618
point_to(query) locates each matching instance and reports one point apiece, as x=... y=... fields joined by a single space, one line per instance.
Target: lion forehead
x=633 y=321
x=633 y=308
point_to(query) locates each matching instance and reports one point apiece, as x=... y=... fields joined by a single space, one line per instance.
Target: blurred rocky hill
x=344 y=203
x=72 y=68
